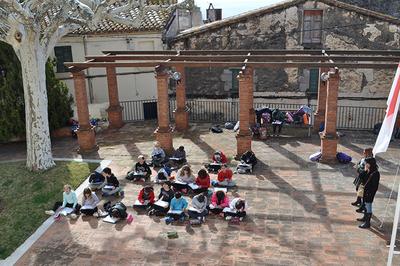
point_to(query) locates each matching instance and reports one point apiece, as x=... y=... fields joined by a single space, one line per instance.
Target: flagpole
x=394 y=229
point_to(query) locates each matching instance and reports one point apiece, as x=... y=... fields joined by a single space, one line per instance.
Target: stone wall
x=282 y=29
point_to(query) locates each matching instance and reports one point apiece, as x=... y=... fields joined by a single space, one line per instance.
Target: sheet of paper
x=175 y=212
x=224 y=189
x=110 y=219
x=161 y=203
x=66 y=211
x=193 y=209
x=277 y=122
x=108 y=187
x=179 y=182
x=193 y=186
x=138 y=203
x=86 y=207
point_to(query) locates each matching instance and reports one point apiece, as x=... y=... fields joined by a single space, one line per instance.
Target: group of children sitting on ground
x=170 y=201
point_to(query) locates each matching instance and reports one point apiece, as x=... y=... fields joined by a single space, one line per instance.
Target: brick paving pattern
x=300 y=212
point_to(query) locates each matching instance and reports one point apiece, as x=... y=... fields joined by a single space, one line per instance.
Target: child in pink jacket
x=219 y=201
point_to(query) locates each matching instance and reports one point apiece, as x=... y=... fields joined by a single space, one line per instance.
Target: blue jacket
x=178 y=204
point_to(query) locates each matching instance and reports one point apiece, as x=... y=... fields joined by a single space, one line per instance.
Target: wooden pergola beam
x=84 y=65
x=258 y=52
x=235 y=58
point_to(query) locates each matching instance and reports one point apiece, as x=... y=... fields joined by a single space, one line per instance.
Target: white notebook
x=65 y=211
x=175 y=212
x=161 y=203
x=193 y=186
x=110 y=219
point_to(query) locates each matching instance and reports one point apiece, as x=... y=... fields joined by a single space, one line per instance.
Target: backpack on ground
x=216 y=129
x=249 y=158
x=229 y=125
x=343 y=158
x=315 y=157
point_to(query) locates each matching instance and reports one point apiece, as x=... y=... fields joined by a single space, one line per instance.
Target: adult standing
x=370 y=186
x=360 y=175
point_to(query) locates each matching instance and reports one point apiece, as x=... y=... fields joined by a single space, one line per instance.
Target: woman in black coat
x=371 y=184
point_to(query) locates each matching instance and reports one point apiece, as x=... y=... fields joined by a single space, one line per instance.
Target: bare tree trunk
x=33 y=64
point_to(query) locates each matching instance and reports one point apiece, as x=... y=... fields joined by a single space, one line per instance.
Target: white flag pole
x=394 y=229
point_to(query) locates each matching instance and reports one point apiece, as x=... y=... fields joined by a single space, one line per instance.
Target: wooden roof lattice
x=376 y=59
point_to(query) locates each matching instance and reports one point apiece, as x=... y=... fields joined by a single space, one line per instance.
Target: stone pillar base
x=86 y=141
x=328 y=149
x=115 y=116
x=252 y=117
x=243 y=144
x=318 y=119
x=165 y=139
x=181 y=120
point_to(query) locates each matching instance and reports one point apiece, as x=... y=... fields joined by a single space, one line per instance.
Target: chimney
x=213 y=14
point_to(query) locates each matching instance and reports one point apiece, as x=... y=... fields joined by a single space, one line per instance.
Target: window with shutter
x=312 y=26
x=235 y=83
x=314 y=81
x=63 y=54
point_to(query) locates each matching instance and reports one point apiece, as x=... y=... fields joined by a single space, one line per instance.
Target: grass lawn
x=24 y=196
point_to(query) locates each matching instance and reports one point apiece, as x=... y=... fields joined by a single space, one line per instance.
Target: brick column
x=86 y=136
x=163 y=132
x=319 y=115
x=252 y=113
x=243 y=138
x=181 y=115
x=115 y=109
x=329 y=138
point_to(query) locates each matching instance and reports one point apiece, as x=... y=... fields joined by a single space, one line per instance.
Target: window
x=235 y=83
x=314 y=81
x=63 y=54
x=312 y=26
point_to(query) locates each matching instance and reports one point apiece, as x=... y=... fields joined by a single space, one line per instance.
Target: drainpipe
x=85 y=51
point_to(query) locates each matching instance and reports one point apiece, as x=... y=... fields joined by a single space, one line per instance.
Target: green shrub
x=12 y=107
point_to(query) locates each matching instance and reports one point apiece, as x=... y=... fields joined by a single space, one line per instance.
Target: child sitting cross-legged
x=161 y=206
x=112 y=184
x=237 y=208
x=218 y=159
x=69 y=201
x=184 y=177
x=141 y=171
x=145 y=198
x=219 y=201
x=158 y=157
x=89 y=203
x=225 y=177
x=177 y=209
x=202 y=181
x=198 y=210
x=163 y=175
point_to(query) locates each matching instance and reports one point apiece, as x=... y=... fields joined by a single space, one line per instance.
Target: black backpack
x=249 y=158
x=216 y=129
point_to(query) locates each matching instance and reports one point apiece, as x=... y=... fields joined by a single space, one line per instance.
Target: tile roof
x=276 y=7
x=153 y=20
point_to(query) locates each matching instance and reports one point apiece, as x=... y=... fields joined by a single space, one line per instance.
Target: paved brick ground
x=299 y=213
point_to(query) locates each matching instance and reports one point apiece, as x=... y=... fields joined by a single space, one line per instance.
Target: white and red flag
x=385 y=134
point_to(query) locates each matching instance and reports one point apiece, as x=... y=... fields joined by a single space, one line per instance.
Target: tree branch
x=131 y=4
x=52 y=41
x=13 y=6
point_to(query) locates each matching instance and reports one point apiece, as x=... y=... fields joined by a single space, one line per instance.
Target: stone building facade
x=296 y=24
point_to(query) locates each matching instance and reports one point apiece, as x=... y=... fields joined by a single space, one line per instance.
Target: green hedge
x=12 y=107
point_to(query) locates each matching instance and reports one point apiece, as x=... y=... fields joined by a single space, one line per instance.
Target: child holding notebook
x=177 y=207
x=69 y=201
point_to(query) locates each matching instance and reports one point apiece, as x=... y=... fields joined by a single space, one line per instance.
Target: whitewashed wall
x=131 y=87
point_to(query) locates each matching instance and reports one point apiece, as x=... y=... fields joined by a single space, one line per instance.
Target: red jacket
x=150 y=199
x=223 y=204
x=225 y=174
x=223 y=158
x=203 y=182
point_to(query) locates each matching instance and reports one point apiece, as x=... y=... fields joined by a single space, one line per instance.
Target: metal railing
x=221 y=111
